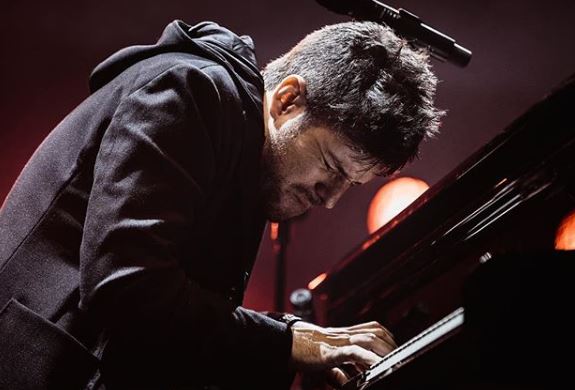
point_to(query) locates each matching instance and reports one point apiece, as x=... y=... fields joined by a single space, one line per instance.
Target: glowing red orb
x=391 y=199
x=565 y=237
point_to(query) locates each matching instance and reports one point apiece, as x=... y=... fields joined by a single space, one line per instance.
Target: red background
x=521 y=50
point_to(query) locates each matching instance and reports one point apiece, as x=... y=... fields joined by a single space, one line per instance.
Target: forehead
x=338 y=147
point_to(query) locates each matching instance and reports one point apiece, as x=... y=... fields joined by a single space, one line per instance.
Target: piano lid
x=531 y=158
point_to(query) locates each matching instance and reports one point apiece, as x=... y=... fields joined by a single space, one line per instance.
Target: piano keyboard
x=408 y=351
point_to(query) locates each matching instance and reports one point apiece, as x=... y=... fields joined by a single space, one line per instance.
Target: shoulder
x=198 y=94
x=193 y=83
x=183 y=69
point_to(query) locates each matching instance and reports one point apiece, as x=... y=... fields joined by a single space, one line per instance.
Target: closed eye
x=328 y=166
x=338 y=170
x=344 y=174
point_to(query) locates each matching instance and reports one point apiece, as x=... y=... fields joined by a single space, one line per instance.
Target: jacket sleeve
x=154 y=171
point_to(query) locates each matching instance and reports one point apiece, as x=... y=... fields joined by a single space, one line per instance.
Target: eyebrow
x=340 y=168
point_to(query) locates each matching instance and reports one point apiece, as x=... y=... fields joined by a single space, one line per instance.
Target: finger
x=375 y=325
x=376 y=331
x=371 y=342
x=367 y=327
x=336 y=378
x=370 y=324
x=337 y=340
x=381 y=346
x=357 y=355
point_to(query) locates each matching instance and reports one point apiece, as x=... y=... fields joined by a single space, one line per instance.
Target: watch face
x=289 y=319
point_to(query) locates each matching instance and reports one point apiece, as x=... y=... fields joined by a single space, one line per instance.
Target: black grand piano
x=468 y=278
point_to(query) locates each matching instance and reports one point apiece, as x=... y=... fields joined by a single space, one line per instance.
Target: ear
x=288 y=99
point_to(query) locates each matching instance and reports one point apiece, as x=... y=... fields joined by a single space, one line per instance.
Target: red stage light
x=392 y=199
x=565 y=237
x=316 y=281
x=274 y=231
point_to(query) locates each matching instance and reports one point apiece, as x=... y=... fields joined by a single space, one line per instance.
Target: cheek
x=299 y=165
x=303 y=174
x=304 y=169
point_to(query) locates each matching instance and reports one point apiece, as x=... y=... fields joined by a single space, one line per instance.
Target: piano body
x=466 y=277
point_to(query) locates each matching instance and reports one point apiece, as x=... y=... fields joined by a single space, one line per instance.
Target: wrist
x=290 y=319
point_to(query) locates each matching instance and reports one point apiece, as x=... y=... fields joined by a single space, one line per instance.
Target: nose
x=330 y=192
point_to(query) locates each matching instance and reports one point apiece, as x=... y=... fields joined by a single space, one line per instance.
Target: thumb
x=336 y=378
x=360 y=357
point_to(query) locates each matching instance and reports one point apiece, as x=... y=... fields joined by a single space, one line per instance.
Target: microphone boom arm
x=405 y=24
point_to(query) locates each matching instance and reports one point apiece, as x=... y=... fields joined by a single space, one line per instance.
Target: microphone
x=405 y=24
x=302 y=304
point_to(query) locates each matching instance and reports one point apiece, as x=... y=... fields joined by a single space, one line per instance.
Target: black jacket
x=128 y=239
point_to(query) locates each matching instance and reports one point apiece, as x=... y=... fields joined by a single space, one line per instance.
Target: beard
x=270 y=185
x=276 y=193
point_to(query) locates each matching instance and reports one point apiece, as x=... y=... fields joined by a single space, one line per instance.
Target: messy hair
x=367 y=84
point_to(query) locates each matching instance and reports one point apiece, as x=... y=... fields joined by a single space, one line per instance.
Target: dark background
x=522 y=49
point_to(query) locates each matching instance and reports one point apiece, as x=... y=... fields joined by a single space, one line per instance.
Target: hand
x=326 y=349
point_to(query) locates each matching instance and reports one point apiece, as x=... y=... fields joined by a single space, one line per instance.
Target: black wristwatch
x=290 y=319
x=287 y=318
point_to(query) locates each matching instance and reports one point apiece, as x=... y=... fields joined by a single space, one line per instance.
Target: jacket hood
x=207 y=39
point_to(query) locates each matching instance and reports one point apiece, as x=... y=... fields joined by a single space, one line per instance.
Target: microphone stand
x=281 y=240
x=406 y=24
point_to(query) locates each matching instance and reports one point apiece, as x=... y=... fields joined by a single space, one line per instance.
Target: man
x=128 y=239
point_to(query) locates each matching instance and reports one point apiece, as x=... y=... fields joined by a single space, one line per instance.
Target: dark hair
x=367 y=84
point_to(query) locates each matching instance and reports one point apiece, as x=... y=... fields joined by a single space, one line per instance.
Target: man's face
x=305 y=167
